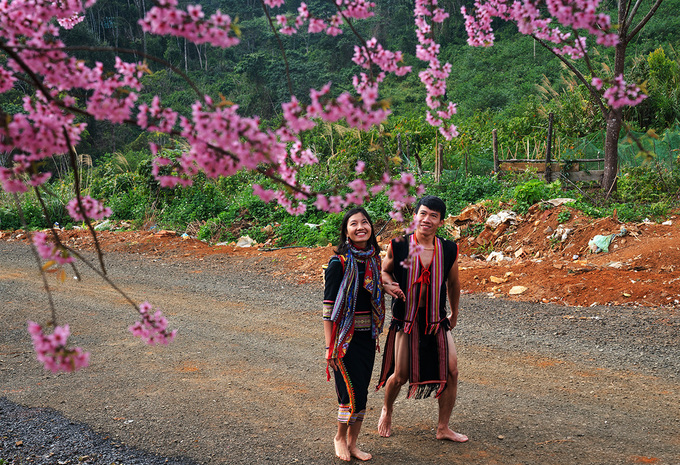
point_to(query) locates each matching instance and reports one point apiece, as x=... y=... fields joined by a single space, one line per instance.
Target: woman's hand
x=333 y=363
x=393 y=289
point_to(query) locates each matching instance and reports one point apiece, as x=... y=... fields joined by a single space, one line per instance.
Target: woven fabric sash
x=345 y=302
x=430 y=280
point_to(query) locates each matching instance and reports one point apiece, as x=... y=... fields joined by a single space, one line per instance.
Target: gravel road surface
x=244 y=381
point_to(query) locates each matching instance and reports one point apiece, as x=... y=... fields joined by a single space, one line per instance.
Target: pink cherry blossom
x=621 y=94
x=414 y=251
x=165 y=18
x=48 y=251
x=530 y=20
x=91 y=208
x=7 y=80
x=152 y=328
x=267 y=195
x=434 y=77
x=52 y=350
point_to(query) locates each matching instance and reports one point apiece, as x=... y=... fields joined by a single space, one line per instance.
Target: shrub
x=533 y=191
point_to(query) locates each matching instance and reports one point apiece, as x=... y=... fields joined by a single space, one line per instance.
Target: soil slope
x=641 y=268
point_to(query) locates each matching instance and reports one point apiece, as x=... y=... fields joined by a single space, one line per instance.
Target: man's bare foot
x=385 y=423
x=450 y=435
x=341 y=449
x=361 y=455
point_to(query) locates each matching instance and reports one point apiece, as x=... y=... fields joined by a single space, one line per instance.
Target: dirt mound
x=537 y=257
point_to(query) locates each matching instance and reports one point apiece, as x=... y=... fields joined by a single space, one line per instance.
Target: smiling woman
x=353 y=314
x=359 y=230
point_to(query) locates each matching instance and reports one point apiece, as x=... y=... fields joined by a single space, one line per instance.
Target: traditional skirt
x=428 y=357
x=354 y=377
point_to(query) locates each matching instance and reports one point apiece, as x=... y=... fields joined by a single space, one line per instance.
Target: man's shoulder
x=447 y=243
x=450 y=248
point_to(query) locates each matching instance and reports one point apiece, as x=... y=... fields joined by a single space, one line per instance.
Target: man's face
x=428 y=220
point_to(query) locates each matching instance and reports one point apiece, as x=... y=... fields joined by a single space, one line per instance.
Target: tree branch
x=356 y=33
x=55 y=236
x=579 y=76
x=76 y=186
x=644 y=20
x=628 y=13
x=283 y=51
x=143 y=55
x=50 y=300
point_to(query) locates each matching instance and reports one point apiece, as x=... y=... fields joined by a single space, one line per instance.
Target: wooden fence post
x=496 y=163
x=548 y=150
x=438 y=165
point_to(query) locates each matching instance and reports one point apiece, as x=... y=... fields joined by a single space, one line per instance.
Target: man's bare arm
x=453 y=290
x=389 y=283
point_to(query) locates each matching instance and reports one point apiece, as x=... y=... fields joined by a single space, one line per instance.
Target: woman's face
x=359 y=230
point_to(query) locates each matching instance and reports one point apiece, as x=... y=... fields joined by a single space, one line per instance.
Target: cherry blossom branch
x=146 y=56
x=55 y=235
x=34 y=251
x=593 y=91
x=37 y=82
x=130 y=51
x=356 y=34
x=80 y=203
x=580 y=42
x=278 y=39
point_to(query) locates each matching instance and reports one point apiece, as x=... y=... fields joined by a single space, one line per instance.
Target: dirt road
x=244 y=381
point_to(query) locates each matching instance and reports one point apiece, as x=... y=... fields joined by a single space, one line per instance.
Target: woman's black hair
x=344 y=245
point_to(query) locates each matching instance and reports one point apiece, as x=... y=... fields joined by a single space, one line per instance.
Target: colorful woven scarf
x=345 y=302
x=431 y=281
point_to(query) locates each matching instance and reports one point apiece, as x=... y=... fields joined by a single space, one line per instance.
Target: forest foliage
x=511 y=87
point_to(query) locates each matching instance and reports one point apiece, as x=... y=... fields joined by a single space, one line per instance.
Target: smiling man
x=419 y=347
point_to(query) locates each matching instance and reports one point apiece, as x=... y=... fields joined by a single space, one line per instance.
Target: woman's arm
x=328 y=334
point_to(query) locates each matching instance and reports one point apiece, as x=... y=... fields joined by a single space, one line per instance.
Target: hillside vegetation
x=510 y=87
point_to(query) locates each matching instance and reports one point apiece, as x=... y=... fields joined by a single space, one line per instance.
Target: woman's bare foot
x=448 y=434
x=361 y=455
x=341 y=449
x=385 y=423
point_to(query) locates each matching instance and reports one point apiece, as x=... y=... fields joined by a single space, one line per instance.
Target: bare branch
x=644 y=20
x=50 y=300
x=283 y=51
x=73 y=157
x=627 y=15
x=579 y=76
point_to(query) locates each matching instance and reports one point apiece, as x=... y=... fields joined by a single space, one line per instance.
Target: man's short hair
x=433 y=203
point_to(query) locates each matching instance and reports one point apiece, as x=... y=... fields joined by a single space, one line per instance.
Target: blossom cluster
x=165 y=18
x=152 y=328
x=434 y=77
x=530 y=20
x=356 y=9
x=374 y=54
x=620 y=94
x=52 y=350
x=47 y=127
x=70 y=23
x=49 y=251
x=91 y=208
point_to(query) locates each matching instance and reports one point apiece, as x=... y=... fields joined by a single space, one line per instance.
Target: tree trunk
x=611 y=150
x=614 y=117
